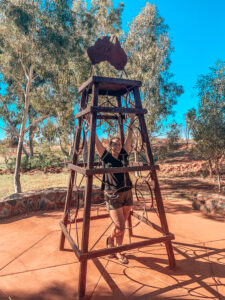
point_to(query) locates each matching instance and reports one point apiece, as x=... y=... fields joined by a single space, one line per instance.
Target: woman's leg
x=117 y=216
x=126 y=212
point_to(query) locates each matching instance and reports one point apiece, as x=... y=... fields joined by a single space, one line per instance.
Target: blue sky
x=197 y=30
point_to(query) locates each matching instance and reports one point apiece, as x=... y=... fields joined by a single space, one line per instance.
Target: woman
x=117 y=187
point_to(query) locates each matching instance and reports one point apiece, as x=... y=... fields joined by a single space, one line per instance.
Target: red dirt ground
x=32 y=267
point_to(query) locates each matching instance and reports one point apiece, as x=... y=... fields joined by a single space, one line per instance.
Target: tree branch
x=24 y=69
x=35 y=123
x=23 y=90
x=10 y=131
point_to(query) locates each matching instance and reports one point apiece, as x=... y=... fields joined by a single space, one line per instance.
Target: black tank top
x=116 y=182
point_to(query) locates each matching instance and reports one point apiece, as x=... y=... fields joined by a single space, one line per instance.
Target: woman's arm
x=128 y=140
x=99 y=147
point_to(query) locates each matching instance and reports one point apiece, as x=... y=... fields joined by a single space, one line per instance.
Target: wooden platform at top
x=110 y=86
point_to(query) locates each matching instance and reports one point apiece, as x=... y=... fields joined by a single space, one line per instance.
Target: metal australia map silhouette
x=106 y=50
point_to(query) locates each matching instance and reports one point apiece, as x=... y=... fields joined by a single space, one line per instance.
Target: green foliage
x=162 y=153
x=48 y=132
x=173 y=135
x=40 y=162
x=4 y=152
x=43 y=61
x=208 y=123
x=149 y=48
x=10 y=164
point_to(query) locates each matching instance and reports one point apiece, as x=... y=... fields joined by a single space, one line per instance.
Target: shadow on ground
x=194 y=274
x=57 y=291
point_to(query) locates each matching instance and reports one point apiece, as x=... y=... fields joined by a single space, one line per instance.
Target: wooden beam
x=107 y=80
x=92 y=218
x=108 y=117
x=88 y=172
x=106 y=251
x=70 y=240
x=119 y=110
x=147 y=222
x=78 y=169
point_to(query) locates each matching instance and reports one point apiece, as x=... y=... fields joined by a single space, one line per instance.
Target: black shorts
x=117 y=200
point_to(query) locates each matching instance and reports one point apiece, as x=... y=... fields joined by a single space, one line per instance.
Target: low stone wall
x=49 y=199
x=210 y=203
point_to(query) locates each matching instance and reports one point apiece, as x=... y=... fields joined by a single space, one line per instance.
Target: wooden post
x=72 y=172
x=87 y=197
x=122 y=137
x=162 y=217
x=158 y=197
x=144 y=131
x=120 y=121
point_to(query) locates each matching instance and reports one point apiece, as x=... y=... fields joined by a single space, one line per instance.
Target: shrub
x=162 y=153
x=40 y=162
x=11 y=163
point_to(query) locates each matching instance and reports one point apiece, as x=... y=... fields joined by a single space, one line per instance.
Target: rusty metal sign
x=106 y=50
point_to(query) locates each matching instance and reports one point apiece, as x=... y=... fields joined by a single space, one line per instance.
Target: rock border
x=43 y=200
x=207 y=203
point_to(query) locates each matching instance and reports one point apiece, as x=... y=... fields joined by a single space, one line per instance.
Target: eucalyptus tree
x=149 y=48
x=208 y=122
x=173 y=134
x=35 y=40
x=100 y=19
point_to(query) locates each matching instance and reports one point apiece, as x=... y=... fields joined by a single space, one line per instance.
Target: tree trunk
x=218 y=175
x=31 y=146
x=187 y=133
x=62 y=149
x=210 y=168
x=25 y=152
x=17 y=184
x=72 y=145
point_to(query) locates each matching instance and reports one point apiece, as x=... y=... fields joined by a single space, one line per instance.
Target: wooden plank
x=92 y=218
x=106 y=251
x=83 y=112
x=108 y=117
x=88 y=172
x=121 y=81
x=70 y=240
x=118 y=110
x=87 y=196
x=162 y=217
x=78 y=169
x=120 y=121
x=120 y=169
x=71 y=179
x=116 y=81
x=144 y=132
x=147 y=222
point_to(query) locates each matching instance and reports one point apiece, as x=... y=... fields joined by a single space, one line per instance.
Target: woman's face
x=116 y=145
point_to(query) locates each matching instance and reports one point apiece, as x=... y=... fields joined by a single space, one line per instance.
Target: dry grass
x=179 y=186
x=36 y=181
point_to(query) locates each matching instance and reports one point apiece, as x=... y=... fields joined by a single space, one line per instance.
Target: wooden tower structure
x=113 y=87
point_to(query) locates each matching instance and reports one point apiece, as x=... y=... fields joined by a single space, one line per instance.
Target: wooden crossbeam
x=126 y=247
x=121 y=110
x=109 y=84
x=70 y=240
x=88 y=172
